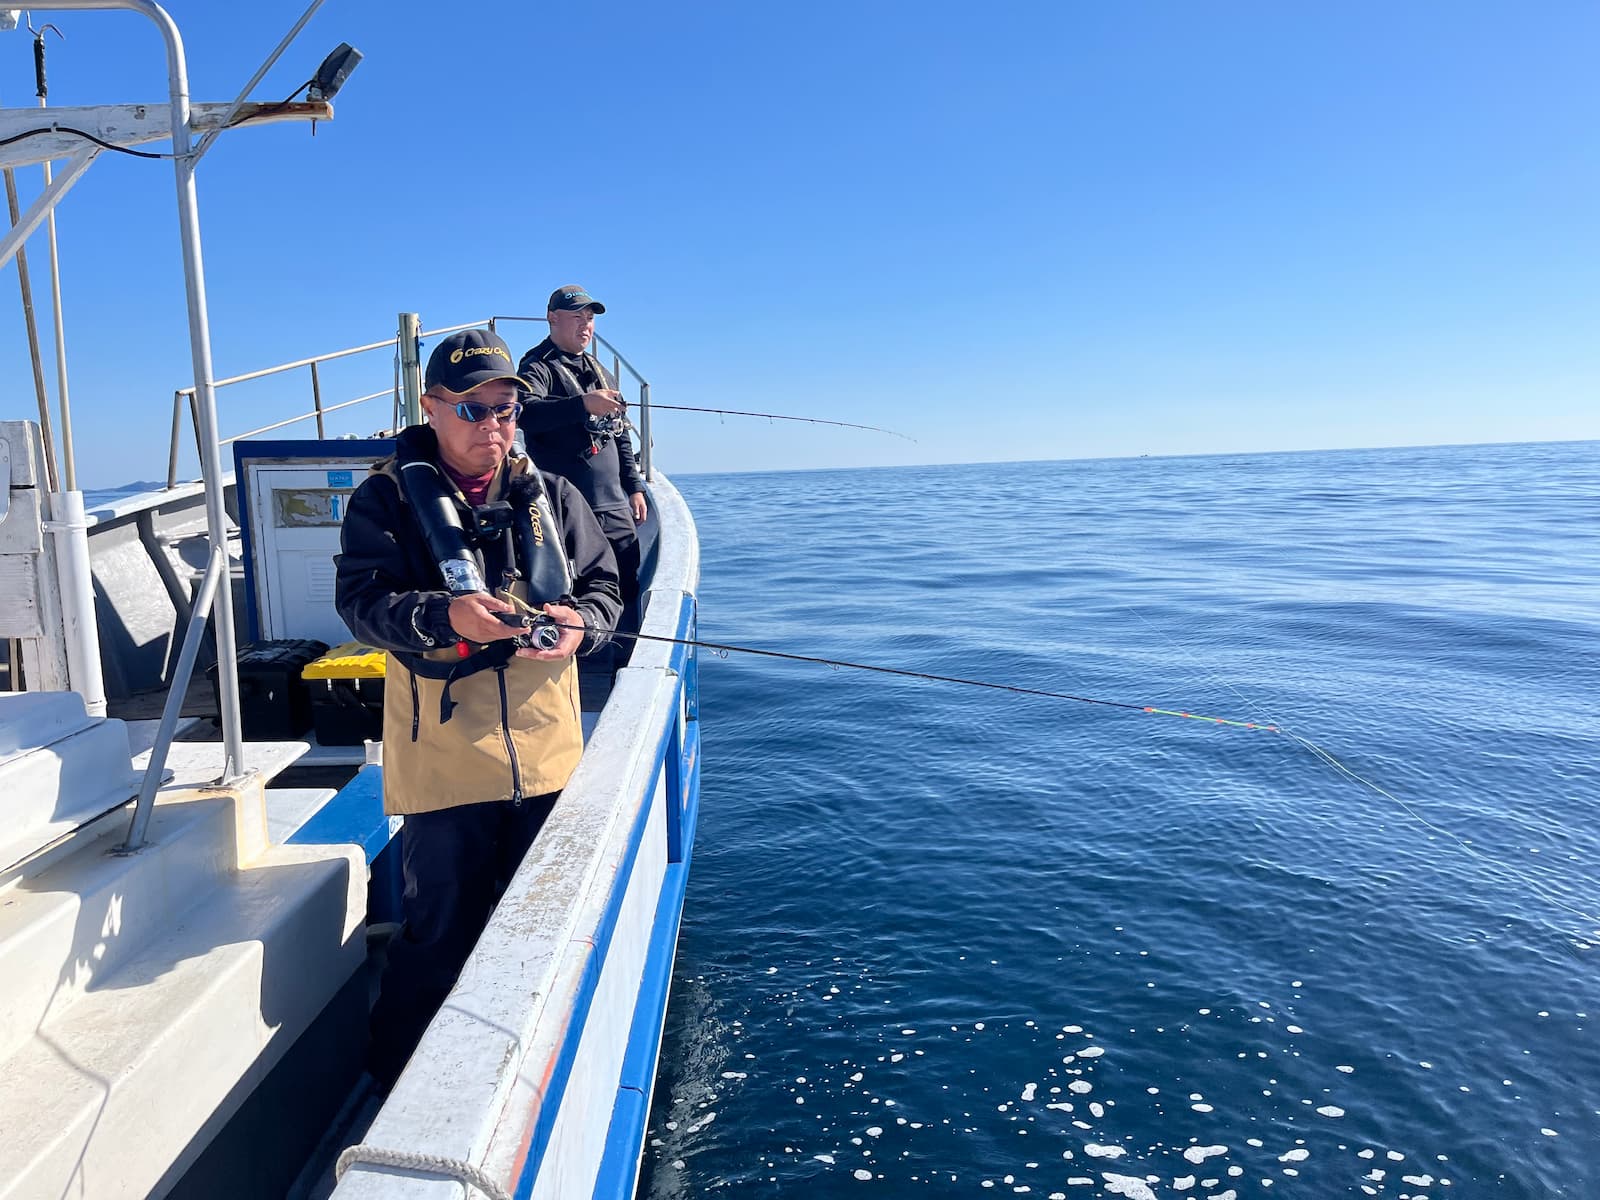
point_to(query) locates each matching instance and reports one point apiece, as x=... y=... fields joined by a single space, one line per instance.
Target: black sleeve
x=381 y=575
x=542 y=412
x=596 y=593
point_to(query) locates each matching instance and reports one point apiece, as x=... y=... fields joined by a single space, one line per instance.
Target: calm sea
x=942 y=941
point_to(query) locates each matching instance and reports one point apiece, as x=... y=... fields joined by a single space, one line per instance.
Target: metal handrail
x=618 y=365
x=239 y=437
x=216 y=566
x=622 y=363
x=319 y=410
x=216 y=572
x=300 y=362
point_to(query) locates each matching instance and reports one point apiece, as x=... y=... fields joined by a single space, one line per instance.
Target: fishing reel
x=539 y=630
x=603 y=429
x=610 y=426
x=497 y=520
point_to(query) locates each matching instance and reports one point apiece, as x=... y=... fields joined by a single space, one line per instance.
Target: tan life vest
x=514 y=730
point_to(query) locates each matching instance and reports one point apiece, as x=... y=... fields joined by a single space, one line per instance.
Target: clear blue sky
x=1042 y=230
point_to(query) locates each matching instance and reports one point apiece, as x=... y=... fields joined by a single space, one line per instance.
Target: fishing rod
x=734 y=412
x=617 y=422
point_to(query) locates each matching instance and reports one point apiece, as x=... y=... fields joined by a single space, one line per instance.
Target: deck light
x=335 y=69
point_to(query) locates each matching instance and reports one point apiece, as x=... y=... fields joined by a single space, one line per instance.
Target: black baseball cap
x=573 y=298
x=470 y=359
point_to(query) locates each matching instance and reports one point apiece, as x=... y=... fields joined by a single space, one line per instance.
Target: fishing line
x=1203 y=669
x=723 y=649
x=1538 y=887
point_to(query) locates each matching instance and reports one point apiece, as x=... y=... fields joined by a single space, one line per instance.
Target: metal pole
x=25 y=282
x=227 y=117
x=233 y=763
x=200 y=351
x=644 y=426
x=70 y=527
x=177 y=427
x=410 y=336
x=46 y=200
x=216 y=569
x=600 y=343
x=316 y=400
x=69 y=469
x=194 y=423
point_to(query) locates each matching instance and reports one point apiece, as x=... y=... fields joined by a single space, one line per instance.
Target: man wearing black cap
x=441 y=543
x=572 y=421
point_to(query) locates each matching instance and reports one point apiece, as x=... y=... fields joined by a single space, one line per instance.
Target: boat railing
x=185 y=398
x=217 y=565
x=618 y=366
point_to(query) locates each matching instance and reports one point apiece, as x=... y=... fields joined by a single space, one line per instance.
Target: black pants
x=457 y=863
x=623 y=535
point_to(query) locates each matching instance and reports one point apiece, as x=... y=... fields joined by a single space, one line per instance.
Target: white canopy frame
x=43 y=135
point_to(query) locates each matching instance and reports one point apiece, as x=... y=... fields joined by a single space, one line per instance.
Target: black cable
x=289 y=99
x=279 y=106
x=265 y=110
x=85 y=134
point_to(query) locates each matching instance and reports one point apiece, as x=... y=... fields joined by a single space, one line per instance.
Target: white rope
x=430 y=1164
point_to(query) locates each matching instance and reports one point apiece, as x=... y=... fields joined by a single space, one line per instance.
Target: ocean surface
x=948 y=941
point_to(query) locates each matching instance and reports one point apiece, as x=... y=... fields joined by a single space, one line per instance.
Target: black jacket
x=389 y=590
x=554 y=423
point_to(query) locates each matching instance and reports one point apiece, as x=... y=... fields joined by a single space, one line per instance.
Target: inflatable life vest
x=517 y=532
x=600 y=429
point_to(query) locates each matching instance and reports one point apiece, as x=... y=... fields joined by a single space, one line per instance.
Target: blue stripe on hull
x=619 y=1169
x=562 y=1069
x=679 y=753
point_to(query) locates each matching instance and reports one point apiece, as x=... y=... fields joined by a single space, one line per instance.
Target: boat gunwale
x=503 y=1043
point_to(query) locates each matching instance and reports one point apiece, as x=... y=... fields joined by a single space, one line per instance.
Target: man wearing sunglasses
x=573 y=422
x=445 y=539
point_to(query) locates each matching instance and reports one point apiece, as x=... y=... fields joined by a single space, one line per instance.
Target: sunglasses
x=475 y=413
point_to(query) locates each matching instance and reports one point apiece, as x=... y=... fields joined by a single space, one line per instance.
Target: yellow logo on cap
x=469 y=351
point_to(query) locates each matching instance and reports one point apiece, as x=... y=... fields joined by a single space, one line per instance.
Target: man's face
x=473 y=447
x=571 y=331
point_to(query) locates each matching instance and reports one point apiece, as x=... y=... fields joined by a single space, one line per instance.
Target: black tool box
x=274 y=702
